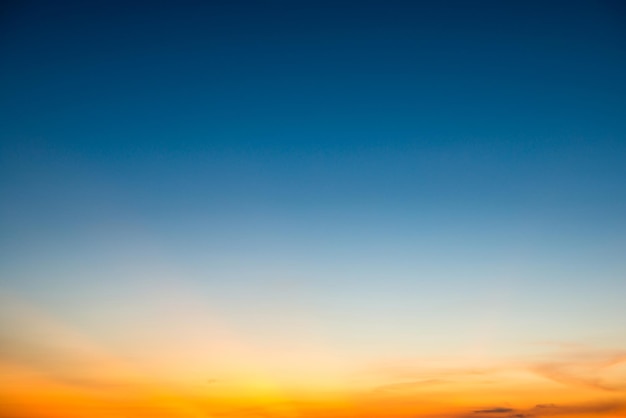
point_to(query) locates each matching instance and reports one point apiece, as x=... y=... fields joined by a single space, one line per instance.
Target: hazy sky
x=422 y=203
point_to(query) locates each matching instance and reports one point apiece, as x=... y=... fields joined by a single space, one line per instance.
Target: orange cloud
x=585 y=369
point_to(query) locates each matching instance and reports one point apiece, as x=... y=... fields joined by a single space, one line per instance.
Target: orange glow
x=52 y=371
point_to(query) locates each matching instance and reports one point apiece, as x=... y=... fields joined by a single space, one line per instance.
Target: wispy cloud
x=40 y=355
x=34 y=340
x=583 y=369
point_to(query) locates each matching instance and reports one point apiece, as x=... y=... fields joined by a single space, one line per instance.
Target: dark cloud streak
x=500 y=410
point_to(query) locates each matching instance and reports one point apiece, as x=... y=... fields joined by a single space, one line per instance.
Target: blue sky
x=404 y=177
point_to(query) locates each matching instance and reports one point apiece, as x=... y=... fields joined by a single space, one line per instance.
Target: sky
x=313 y=209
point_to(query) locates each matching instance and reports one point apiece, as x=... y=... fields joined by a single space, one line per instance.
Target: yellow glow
x=50 y=370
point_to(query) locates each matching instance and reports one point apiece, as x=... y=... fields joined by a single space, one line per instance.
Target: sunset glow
x=313 y=209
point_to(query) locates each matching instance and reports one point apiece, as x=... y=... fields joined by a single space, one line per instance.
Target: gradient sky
x=313 y=209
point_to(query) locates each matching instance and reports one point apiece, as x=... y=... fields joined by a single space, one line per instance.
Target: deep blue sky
x=361 y=133
x=315 y=98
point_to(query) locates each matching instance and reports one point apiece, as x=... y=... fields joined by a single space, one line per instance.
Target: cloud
x=500 y=410
x=584 y=408
x=545 y=405
x=51 y=351
x=551 y=409
x=583 y=373
x=599 y=409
